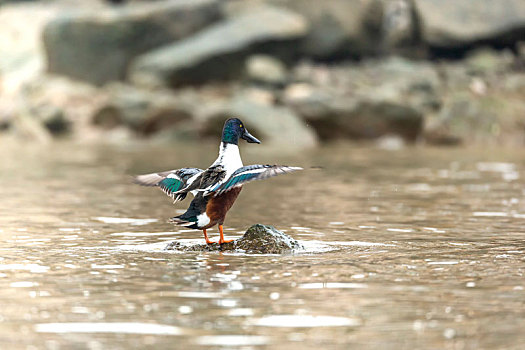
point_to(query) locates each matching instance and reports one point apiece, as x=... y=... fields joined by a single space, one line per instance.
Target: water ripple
x=305 y=321
x=108 y=327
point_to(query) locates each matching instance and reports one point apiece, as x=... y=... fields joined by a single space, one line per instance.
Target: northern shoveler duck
x=216 y=188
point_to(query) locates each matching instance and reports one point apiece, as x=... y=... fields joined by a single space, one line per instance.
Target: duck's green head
x=235 y=129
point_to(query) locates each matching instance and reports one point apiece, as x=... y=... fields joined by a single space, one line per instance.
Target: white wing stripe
x=261 y=173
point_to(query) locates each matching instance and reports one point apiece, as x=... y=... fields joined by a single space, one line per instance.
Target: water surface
x=417 y=248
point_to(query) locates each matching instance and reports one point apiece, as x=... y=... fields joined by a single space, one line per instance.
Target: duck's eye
x=240 y=126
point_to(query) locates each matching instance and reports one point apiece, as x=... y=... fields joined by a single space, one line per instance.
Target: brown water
x=418 y=248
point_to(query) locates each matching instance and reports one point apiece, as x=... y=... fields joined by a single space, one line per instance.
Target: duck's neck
x=229 y=156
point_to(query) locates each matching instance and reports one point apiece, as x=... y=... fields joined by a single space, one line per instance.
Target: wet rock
x=266 y=70
x=97 y=45
x=339 y=28
x=277 y=126
x=258 y=239
x=456 y=24
x=219 y=52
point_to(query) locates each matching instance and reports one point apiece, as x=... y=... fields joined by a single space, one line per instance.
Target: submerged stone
x=258 y=239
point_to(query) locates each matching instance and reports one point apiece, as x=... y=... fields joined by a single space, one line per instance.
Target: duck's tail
x=190 y=222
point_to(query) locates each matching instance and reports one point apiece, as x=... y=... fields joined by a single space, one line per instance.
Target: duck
x=216 y=188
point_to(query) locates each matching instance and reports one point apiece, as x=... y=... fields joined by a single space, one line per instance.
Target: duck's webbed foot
x=221 y=239
x=206 y=237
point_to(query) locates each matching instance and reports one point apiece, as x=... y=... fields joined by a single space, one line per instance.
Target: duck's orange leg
x=221 y=239
x=206 y=237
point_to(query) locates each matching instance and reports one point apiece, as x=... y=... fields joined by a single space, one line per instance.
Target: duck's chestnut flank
x=219 y=205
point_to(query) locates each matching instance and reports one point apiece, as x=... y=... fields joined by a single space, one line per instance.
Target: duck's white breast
x=229 y=158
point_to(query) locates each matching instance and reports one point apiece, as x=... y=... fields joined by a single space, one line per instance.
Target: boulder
x=459 y=24
x=97 y=45
x=219 y=52
x=258 y=239
x=338 y=117
x=266 y=70
x=367 y=119
x=339 y=28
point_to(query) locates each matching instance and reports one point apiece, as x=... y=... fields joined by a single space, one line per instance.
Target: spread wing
x=250 y=173
x=170 y=182
x=206 y=180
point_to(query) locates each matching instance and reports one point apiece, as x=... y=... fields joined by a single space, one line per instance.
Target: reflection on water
x=415 y=248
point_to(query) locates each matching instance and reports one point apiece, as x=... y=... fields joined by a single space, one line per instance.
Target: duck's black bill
x=249 y=137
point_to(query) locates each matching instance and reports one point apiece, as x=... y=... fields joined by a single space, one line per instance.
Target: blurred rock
x=266 y=70
x=484 y=61
x=38 y=123
x=27 y=127
x=439 y=133
x=390 y=142
x=371 y=119
x=97 y=45
x=258 y=239
x=520 y=47
x=515 y=83
x=396 y=79
x=5 y=122
x=59 y=105
x=240 y=58
x=392 y=78
x=219 y=52
x=401 y=29
x=461 y=24
x=339 y=28
x=376 y=98
x=352 y=118
x=21 y=50
x=142 y=111
x=273 y=125
x=53 y=118
x=494 y=118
